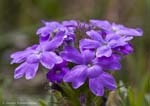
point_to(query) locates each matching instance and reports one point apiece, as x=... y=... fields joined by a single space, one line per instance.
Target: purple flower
x=103 y=44
x=116 y=28
x=100 y=52
x=86 y=68
x=31 y=57
x=51 y=28
x=57 y=73
x=47 y=31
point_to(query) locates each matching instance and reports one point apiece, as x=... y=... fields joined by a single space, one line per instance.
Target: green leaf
x=42 y=102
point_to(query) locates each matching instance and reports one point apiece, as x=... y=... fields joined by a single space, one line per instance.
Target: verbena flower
x=103 y=43
x=87 y=67
x=100 y=49
x=32 y=56
x=46 y=32
x=51 y=28
x=116 y=28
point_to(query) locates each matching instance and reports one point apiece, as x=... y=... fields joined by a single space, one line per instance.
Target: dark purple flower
x=57 y=73
x=116 y=28
x=103 y=45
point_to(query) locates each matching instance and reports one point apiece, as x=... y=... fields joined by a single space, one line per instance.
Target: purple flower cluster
x=74 y=60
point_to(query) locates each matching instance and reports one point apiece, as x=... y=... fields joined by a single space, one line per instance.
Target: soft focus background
x=19 y=20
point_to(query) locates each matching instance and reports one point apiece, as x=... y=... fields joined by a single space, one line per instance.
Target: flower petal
x=130 y=31
x=101 y=24
x=109 y=63
x=96 y=86
x=94 y=71
x=104 y=51
x=72 y=55
x=31 y=72
x=95 y=35
x=20 y=56
x=44 y=31
x=28 y=69
x=89 y=44
x=55 y=42
x=33 y=58
x=48 y=59
x=108 y=81
x=88 y=55
x=77 y=76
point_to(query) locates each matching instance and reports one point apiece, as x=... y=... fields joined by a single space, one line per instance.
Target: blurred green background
x=19 y=20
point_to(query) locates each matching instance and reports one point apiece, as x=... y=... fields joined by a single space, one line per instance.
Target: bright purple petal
x=72 y=55
x=77 y=76
x=55 y=42
x=88 y=55
x=94 y=71
x=96 y=86
x=108 y=81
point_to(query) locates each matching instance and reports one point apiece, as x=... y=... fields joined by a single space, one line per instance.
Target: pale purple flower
x=47 y=31
x=35 y=55
x=51 y=28
x=116 y=28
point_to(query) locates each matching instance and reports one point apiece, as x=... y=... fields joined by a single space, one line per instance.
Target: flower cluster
x=76 y=52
